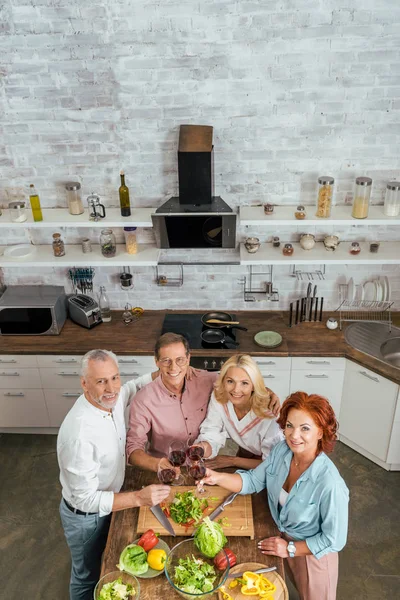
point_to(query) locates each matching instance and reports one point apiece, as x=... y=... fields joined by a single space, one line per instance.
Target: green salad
x=194 y=575
x=186 y=508
x=133 y=560
x=117 y=590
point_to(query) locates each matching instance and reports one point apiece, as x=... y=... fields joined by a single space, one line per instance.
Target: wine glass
x=194 y=452
x=177 y=458
x=197 y=470
x=166 y=474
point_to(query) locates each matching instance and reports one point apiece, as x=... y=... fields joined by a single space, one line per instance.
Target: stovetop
x=173 y=206
x=190 y=326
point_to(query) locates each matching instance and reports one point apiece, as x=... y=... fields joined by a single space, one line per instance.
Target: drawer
x=59 y=403
x=317 y=363
x=12 y=378
x=54 y=360
x=23 y=408
x=18 y=360
x=328 y=384
x=61 y=377
x=128 y=372
x=147 y=362
x=273 y=362
x=278 y=382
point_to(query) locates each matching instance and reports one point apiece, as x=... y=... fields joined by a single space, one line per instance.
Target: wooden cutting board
x=281 y=592
x=239 y=513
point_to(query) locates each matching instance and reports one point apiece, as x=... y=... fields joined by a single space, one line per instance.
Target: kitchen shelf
x=147 y=256
x=341 y=215
x=389 y=254
x=60 y=217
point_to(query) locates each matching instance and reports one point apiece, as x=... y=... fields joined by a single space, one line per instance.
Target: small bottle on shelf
x=104 y=304
x=58 y=245
x=35 y=203
x=355 y=248
x=124 y=197
x=287 y=250
x=300 y=212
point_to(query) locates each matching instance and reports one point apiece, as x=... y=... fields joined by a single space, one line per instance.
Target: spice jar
x=58 y=245
x=300 y=212
x=86 y=246
x=17 y=211
x=392 y=199
x=374 y=247
x=74 y=199
x=324 y=200
x=355 y=248
x=108 y=243
x=276 y=241
x=361 y=197
x=130 y=240
x=268 y=209
x=252 y=244
x=287 y=250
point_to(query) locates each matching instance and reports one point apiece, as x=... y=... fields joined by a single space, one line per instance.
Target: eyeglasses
x=181 y=361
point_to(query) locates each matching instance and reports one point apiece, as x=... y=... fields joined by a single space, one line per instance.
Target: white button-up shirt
x=91 y=451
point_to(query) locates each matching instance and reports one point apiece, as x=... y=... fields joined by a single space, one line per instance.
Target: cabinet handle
x=66 y=360
x=268 y=362
x=129 y=374
x=318 y=362
x=318 y=376
x=7 y=361
x=128 y=361
x=369 y=376
x=71 y=394
x=68 y=374
x=16 y=394
x=16 y=374
x=268 y=376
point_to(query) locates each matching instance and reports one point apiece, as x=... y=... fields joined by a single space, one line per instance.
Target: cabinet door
x=59 y=403
x=325 y=383
x=23 y=408
x=14 y=378
x=57 y=360
x=278 y=382
x=367 y=410
x=61 y=377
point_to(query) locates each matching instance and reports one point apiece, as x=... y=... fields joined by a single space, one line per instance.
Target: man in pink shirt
x=170 y=408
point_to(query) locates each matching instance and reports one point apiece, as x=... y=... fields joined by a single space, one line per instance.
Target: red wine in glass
x=177 y=457
x=195 y=452
x=197 y=471
x=166 y=476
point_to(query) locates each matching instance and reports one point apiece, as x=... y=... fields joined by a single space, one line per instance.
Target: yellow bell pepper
x=233 y=584
x=251 y=587
x=225 y=595
x=265 y=585
x=156 y=559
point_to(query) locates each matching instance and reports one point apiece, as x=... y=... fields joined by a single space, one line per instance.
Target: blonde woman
x=242 y=409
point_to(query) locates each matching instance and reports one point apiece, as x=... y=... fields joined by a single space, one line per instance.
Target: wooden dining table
x=123 y=531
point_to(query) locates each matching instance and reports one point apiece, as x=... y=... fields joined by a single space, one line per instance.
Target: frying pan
x=216 y=336
x=221 y=316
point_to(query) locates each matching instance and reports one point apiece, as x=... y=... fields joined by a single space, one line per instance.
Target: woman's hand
x=191 y=372
x=274 y=405
x=221 y=461
x=164 y=463
x=210 y=478
x=274 y=546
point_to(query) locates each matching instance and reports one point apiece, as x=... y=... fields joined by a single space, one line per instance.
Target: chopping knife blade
x=162 y=518
x=222 y=506
x=267 y=570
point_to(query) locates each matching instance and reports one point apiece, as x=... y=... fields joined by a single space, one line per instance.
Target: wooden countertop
x=307 y=339
x=124 y=526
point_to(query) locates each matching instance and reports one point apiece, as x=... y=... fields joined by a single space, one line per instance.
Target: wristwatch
x=291 y=548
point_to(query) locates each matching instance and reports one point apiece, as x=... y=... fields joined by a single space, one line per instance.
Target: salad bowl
x=183 y=562
x=117 y=585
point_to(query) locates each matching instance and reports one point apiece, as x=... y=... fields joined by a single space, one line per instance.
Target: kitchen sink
x=375 y=339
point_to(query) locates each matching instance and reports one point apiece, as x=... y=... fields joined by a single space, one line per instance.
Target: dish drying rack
x=363 y=310
x=266 y=292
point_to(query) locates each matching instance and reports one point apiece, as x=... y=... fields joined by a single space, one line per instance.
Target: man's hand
x=274 y=405
x=275 y=546
x=220 y=462
x=165 y=464
x=191 y=372
x=152 y=495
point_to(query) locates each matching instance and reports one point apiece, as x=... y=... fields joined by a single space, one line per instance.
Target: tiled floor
x=34 y=559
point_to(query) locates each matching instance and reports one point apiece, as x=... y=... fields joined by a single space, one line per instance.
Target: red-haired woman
x=307 y=497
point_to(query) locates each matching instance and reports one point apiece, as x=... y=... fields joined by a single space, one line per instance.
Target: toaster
x=84 y=311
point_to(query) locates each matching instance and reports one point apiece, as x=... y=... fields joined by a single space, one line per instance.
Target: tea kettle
x=96 y=209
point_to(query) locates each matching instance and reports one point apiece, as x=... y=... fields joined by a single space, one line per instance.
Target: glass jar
x=362 y=195
x=130 y=240
x=108 y=243
x=392 y=199
x=58 y=245
x=355 y=248
x=74 y=199
x=374 y=247
x=17 y=211
x=276 y=241
x=86 y=246
x=287 y=250
x=300 y=212
x=324 y=200
x=268 y=209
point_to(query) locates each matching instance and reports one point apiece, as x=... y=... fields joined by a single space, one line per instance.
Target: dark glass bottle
x=124 y=197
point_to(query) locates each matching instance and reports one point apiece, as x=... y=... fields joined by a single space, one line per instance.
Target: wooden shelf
x=147 y=256
x=60 y=217
x=388 y=254
x=341 y=215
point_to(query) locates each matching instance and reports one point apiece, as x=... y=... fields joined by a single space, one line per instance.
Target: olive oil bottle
x=35 y=204
x=124 y=197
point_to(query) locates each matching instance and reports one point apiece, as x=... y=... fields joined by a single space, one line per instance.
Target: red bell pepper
x=220 y=561
x=148 y=540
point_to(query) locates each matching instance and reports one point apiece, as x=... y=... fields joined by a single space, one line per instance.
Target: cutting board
x=281 y=592
x=239 y=513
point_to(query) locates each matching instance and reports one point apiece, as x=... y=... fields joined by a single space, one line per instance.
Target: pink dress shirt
x=158 y=417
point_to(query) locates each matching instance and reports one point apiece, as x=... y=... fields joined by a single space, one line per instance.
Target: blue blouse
x=316 y=509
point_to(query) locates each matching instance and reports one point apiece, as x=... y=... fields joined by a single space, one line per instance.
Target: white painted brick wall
x=294 y=89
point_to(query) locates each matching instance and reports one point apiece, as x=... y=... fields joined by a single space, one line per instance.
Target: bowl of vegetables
x=191 y=573
x=117 y=586
x=145 y=557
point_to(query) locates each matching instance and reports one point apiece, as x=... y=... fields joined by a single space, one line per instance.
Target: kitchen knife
x=222 y=506
x=290 y=314
x=162 y=518
x=297 y=311
x=267 y=570
x=308 y=299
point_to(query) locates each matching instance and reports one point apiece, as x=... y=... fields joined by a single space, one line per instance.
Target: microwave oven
x=33 y=310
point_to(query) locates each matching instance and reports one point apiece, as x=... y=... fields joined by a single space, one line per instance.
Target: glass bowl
x=124 y=577
x=187 y=549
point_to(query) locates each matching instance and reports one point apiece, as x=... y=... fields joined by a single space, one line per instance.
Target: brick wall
x=294 y=89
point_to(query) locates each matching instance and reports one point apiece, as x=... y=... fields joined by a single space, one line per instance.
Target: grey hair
x=100 y=355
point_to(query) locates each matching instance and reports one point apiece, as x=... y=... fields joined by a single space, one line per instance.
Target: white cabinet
x=59 y=403
x=276 y=373
x=367 y=413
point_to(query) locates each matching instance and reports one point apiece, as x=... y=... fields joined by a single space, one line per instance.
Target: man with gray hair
x=91 y=456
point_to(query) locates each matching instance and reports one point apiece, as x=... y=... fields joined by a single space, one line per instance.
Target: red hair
x=321 y=412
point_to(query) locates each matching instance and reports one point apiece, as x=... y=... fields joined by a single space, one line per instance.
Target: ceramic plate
x=152 y=572
x=268 y=339
x=19 y=251
x=369 y=291
x=379 y=291
x=388 y=292
x=351 y=290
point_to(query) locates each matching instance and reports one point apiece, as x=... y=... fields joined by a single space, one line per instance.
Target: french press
x=96 y=209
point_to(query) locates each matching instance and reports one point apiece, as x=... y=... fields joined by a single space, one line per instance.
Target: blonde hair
x=260 y=397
